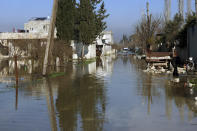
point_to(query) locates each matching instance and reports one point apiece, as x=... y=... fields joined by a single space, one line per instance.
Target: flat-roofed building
x=37 y=25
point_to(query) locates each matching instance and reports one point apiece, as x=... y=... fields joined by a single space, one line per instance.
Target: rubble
x=181 y=70
x=176 y=80
x=159 y=70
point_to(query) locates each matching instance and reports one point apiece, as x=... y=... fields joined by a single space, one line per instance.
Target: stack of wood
x=158 y=59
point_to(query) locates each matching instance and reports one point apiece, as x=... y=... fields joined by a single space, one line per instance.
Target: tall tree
x=182 y=34
x=172 y=29
x=82 y=21
x=91 y=21
x=87 y=25
x=100 y=17
x=146 y=31
x=65 y=21
x=124 y=40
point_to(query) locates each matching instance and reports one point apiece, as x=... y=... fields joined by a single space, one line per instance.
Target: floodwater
x=113 y=94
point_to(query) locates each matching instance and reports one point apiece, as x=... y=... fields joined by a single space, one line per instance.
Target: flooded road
x=113 y=94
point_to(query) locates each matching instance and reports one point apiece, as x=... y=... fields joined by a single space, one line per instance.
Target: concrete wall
x=25 y=52
x=15 y=36
x=182 y=53
x=192 y=42
x=89 y=50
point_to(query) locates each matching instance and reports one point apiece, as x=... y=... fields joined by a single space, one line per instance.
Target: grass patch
x=53 y=75
x=87 y=61
x=194 y=81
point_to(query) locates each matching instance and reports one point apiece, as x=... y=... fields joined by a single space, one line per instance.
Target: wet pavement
x=111 y=94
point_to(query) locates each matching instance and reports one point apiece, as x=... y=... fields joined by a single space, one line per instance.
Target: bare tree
x=146 y=31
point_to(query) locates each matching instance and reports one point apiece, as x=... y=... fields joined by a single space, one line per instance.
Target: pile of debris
x=158 y=70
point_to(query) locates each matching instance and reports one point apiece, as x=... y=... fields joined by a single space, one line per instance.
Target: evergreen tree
x=172 y=29
x=100 y=17
x=182 y=34
x=91 y=20
x=124 y=40
x=65 y=21
x=87 y=25
x=82 y=21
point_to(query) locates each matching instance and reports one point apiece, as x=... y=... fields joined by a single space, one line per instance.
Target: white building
x=37 y=25
x=38 y=28
x=104 y=43
x=106 y=37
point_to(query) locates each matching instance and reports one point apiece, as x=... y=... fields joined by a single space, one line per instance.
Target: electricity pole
x=50 y=39
x=196 y=7
x=189 y=11
x=181 y=7
x=167 y=10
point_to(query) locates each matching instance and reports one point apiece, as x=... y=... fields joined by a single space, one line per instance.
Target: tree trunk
x=82 y=51
x=48 y=51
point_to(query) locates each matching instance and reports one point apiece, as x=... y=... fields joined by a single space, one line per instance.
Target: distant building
x=37 y=25
x=38 y=28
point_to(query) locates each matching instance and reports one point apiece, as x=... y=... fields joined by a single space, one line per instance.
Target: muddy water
x=111 y=95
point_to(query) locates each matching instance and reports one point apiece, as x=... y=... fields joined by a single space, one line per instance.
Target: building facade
x=37 y=25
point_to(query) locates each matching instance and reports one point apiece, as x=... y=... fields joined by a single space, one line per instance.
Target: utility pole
x=167 y=11
x=181 y=7
x=189 y=11
x=148 y=23
x=147 y=11
x=50 y=39
x=196 y=7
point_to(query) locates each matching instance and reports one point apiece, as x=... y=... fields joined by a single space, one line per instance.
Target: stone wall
x=16 y=36
x=23 y=47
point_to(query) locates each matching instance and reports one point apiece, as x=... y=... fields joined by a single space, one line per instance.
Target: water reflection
x=50 y=104
x=154 y=87
x=16 y=98
x=81 y=100
x=112 y=93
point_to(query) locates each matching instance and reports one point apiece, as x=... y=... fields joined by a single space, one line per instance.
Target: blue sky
x=124 y=14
